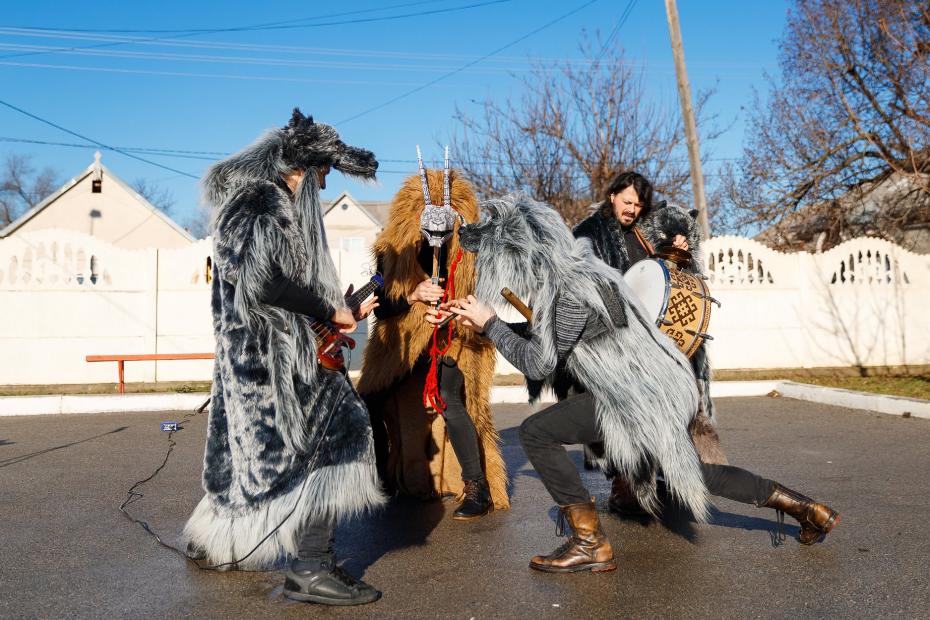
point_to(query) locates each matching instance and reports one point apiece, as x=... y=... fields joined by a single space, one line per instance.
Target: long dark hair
x=624 y=180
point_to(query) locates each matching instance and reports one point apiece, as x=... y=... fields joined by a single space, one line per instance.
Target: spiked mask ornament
x=437 y=222
x=308 y=144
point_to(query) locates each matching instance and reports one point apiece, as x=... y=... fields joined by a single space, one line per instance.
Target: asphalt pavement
x=67 y=551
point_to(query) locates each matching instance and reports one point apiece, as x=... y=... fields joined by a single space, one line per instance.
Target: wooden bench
x=151 y=357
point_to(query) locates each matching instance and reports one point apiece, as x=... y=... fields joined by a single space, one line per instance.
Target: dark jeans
x=316 y=544
x=573 y=421
x=462 y=433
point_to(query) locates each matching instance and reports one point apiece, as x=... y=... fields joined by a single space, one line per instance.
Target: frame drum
x=679 y=301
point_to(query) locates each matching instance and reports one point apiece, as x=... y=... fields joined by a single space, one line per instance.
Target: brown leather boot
x=622 y=499
x=816 y=519
x=586 y=549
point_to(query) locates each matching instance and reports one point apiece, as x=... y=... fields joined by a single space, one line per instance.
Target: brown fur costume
x=421 y=461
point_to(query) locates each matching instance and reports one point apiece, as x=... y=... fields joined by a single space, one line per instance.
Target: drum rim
x=668 y=290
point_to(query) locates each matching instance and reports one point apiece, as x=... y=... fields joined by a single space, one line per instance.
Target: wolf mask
x=308 y=144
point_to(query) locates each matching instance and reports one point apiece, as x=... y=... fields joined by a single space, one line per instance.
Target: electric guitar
x=329 y=340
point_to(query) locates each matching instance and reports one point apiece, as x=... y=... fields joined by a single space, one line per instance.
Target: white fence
x=64 y=295
x=863 y=303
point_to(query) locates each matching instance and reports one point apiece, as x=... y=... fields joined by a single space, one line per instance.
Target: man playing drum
x=625 y=229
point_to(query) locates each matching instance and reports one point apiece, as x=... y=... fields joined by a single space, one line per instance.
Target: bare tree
x=160 y=197
x=577 y=124
x=199 y=223
x=848 y=115
x=21 y=187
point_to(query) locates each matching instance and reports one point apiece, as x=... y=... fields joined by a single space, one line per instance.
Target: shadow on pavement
x=25 y=457
x=405 y=522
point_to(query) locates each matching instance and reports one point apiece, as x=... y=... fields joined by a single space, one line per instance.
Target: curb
x=500 y=394
x=880 y=403
x=99 y=403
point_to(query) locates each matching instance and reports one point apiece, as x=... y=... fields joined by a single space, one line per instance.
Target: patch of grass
x=104 y=388
x=908 y=386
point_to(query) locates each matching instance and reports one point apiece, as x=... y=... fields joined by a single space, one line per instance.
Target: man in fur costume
x=289 y=445
x=627 y=228
x=421 y=453
x=638 y=392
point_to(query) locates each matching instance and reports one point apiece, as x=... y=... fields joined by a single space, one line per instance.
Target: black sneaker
x=477 y=502
x=327 y=584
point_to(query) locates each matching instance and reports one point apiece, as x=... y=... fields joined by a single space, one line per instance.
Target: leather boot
x=622 y=500
x=477 y=502
x=321 y=581
x=586 y=549
x=816 y=519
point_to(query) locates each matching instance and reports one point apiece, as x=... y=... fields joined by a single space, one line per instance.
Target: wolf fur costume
x=284 y=434
x=658 y=226
x=421 y=461
x=644 y=389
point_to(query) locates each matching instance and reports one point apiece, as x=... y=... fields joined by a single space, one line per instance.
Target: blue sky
x=151 y=83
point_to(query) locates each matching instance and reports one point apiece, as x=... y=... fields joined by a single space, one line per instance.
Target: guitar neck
x=355 y=299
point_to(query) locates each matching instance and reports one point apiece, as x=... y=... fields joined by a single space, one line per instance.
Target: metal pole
x=687 y=111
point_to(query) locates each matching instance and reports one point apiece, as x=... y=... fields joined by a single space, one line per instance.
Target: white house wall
x=124 y=221
x=350 y=222
x=64 y=295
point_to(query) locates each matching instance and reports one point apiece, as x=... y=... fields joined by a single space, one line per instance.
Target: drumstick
x=518 y=304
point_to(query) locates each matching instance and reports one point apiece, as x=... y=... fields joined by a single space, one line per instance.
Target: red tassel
x=431 y=397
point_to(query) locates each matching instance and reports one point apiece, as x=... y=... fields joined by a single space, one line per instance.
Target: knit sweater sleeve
x=529 y=355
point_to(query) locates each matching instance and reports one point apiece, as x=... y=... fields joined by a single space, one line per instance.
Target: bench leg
x=122 y=384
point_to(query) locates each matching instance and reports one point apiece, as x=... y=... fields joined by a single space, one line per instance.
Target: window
x=352 y=244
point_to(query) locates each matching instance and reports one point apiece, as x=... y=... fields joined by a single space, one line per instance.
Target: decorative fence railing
x=65 y=295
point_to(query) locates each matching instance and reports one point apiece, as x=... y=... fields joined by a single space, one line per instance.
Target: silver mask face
x=437 y=222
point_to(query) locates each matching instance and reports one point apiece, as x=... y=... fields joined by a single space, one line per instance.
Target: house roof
x=856 y=209
x=376 y=210
x=34 y=211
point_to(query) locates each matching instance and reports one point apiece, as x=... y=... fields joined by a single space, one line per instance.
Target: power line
x=329 y=51
x=289 y=24
x=275 y=23
x=213 y=155
x=466 y=65
x=222 y=76
x=623 y=17
x=96 y=142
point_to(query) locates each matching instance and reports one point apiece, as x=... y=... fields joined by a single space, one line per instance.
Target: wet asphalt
x=66 y=550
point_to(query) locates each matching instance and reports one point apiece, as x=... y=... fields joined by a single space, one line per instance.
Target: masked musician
x=625 y=229
x=428 y=388
x=289 y=445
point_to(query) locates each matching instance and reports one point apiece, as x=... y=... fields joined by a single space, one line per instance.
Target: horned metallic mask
x=437 y=222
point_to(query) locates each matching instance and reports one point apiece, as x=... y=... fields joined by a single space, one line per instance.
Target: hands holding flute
x=472 y=313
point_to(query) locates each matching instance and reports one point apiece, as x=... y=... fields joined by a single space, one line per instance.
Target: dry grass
x=909 y=386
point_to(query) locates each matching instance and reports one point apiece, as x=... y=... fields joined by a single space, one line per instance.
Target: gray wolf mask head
x=521 y=244
x=670 y=220
x=307 y=144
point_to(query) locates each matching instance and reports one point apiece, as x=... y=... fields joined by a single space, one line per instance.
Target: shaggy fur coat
x=287 y=441
x=660 y=225
x=643 y=387
x=421 y=461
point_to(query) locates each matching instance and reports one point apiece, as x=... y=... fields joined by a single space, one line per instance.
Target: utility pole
x=687 y=111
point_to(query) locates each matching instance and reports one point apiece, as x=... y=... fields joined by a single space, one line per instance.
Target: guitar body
x=329 y=340
x=329 y=349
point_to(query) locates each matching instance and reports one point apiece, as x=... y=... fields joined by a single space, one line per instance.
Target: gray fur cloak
x=288 y=441
x=643 y=386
